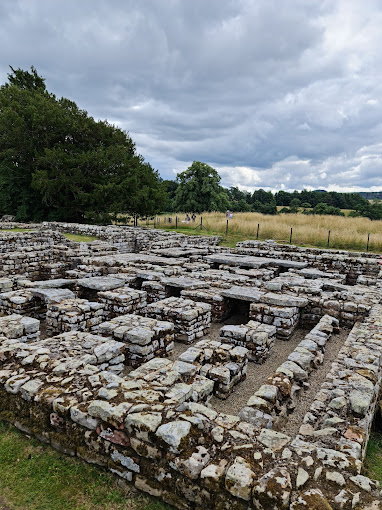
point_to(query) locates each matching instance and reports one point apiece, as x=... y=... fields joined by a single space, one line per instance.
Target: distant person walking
x=193 y=217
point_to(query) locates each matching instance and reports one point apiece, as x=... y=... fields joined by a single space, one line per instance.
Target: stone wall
x=151 y=428
x=275 y=399
x=145 y=338
x=191 y=319
x=353 y=264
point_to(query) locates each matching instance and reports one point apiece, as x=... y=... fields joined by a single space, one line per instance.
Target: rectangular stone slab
x=243 y=294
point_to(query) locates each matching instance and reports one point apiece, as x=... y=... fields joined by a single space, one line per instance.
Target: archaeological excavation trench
x=244 y=378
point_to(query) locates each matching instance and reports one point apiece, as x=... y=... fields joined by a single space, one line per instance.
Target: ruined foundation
x=108 y=353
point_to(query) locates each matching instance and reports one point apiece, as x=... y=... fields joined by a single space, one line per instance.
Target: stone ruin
x=209 y=377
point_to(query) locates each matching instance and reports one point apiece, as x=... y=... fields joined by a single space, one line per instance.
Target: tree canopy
x=199 y=190
x=57 y=162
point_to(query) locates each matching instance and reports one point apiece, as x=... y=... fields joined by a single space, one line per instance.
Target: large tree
x=199 y=190
x=57 y=162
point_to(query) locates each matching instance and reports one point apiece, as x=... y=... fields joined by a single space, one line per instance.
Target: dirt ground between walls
x=257 y=374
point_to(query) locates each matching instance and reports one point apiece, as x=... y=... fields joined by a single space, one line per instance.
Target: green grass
x=16 y=230
x=373 y=461
x=33 y=476
x=79 y=238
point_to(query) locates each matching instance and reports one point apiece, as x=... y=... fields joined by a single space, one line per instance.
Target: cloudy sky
x=279 y=94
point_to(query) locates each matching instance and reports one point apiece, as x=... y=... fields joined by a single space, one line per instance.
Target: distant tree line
x=198 y=189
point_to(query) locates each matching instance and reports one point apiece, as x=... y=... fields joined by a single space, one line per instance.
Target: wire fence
x=193 y=224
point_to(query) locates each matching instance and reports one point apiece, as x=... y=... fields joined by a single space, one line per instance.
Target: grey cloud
x=273 y=94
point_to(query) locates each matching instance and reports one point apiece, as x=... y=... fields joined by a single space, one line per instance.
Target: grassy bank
x=345 y=233
x=33 y=476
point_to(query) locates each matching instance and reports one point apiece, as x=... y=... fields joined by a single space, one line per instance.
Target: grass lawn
x=72 y=237
x=34 y=476
x=16 y=230
x=79 y=238
x=373 y=462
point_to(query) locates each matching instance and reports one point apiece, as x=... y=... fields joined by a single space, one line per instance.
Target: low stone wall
x=133 y=239
x=122 y=301
x=18 y=328
x=155 y=290
x=258 y=338
x=191 y=319
x=32 y=301
x=352 y=264
x=20 y=302
x=223 y=363
x=279 y=310
x=151 y=429
x=74 y=315
x=144 y=337
x=219 y=304
x=277 y=397
x=345 y=405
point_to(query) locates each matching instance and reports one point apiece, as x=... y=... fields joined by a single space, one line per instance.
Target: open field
x=36 y=477
x=345 y=233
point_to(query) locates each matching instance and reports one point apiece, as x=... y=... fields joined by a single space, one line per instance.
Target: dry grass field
x=345 y=233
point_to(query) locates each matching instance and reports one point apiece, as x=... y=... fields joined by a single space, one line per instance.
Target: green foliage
x=313 y=198
x=371 y=210
x=58 y=163
x=285 y=210
x=199 y=190
x=170 y=188
x=323 y=208
x=295 y=203
x=264 y=202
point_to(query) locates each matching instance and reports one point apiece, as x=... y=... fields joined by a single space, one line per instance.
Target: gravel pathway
x=257 y=375
x=317 y=377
